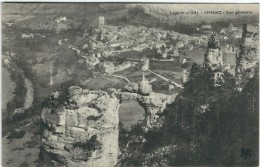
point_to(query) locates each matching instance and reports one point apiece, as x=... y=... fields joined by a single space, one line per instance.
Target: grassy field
x=159 y=86
x=104 y=83
x=165 y=65
x=130 y=113
x=16 y=18
x=128 y=72
x=24 y=151
x=170 y=74
x=132 y=55
x=197 y=54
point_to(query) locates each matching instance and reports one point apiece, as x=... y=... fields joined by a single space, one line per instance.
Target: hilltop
x=125 y=13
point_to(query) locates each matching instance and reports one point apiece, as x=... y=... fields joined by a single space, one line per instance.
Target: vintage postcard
x=130 y=84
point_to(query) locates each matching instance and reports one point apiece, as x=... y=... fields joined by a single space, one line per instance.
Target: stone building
x=185 y=76
x=144 y=64
x=144 y=86
x=230 y=27
x=101 y=20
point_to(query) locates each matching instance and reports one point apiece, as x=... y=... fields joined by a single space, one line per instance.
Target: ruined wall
x=83 y=131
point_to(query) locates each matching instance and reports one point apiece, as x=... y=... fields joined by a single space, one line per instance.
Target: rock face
x=84 y=132
x=214 y=60
x=154 y=103
x=109 y=66
x=92 y=61
x=81 y=127
x=247 y=59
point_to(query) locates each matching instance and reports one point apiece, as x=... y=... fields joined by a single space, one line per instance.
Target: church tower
x=145 y=86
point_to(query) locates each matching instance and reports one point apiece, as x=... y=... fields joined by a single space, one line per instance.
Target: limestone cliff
x=213 y=57
x=154 y=103
x=247 y=59
x=110 y=67
x=81 y=127
x=83 y=132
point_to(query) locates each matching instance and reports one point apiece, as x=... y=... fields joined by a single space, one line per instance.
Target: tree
x=205 y=125
x=201 y=120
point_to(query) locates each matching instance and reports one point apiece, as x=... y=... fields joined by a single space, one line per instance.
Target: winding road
x=166 y=79
x=127 y=80
x=160 y=76
x=29 y=94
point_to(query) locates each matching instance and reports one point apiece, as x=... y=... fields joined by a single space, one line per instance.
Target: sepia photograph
x=111 y=84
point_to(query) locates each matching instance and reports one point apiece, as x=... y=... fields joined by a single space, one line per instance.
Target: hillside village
x=103 y=41
x=115 y=50
x=100 y=43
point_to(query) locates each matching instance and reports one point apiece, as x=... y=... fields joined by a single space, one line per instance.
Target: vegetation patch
x=84 y=150
x=16 y=134
x=204 y=125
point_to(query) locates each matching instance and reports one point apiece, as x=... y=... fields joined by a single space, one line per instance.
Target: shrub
x=24 y=164
x=16 y=134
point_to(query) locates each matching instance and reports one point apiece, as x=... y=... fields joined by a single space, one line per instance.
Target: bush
x=16 y=134
x=90 y=145
x=24 y=164
x=83 y=150
x=44 y=60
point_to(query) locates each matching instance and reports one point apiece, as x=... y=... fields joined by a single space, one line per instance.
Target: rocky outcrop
x=213 y=57
x=8 y=63
x=110 y=68
x=92 y=61
x=81 y=126
x=83 y=130
x=247 y=59
x=154 y=103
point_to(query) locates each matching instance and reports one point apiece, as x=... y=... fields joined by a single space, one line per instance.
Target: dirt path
x=127 y=80
x=29 y=94
x=166 y=79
